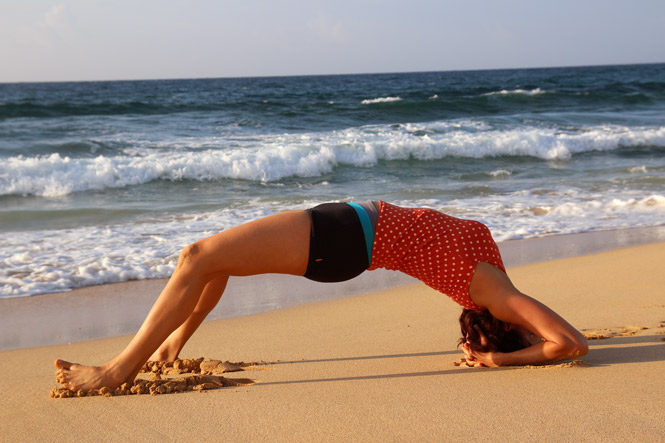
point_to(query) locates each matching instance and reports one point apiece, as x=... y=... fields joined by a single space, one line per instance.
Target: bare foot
x=77 y=377
x=165 y=353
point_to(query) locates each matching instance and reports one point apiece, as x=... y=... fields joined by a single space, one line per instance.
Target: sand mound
x=200 y=374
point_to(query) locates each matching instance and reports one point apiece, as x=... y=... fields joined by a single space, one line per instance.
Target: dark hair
x=500 y=336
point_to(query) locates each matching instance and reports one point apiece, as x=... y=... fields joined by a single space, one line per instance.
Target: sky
x=72 y=40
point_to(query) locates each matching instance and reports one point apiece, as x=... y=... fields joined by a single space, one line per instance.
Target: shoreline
x=118 y=309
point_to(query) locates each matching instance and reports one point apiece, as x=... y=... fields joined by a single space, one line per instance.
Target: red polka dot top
x=437 y=249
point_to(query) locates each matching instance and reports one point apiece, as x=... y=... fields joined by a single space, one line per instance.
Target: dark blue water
x=106 y=181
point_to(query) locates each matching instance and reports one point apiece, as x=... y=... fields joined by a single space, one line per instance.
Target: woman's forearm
x=544 y=352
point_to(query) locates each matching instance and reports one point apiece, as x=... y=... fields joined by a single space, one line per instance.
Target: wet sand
x=382 y=367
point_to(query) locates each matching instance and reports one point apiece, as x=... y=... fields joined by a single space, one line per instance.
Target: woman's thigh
x=275 y=244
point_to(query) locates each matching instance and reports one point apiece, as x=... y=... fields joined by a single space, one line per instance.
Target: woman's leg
x=275 y=244
x=170 y=349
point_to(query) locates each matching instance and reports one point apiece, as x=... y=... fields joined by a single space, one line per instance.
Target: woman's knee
x=191 y=258
x=205 y=258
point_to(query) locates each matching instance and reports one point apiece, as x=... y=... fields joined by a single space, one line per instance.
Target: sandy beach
x=380 y=367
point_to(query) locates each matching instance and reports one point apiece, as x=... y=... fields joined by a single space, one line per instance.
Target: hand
x=481 y=359
x=468 y=354
x=478 y=358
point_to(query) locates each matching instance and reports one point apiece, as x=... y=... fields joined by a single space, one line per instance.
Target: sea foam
x=270 y=158
x=531 y=92
x=35 y=262
x=381 y=100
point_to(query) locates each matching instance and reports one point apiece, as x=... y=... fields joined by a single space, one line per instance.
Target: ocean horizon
x=330 y=74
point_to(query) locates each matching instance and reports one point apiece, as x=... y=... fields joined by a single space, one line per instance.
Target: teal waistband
x=366 y=223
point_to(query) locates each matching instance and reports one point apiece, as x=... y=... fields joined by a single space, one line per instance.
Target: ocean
x=104 y=182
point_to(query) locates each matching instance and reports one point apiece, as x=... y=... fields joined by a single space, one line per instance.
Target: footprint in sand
x=604 y=333
x=623 y=331
x=201 y=375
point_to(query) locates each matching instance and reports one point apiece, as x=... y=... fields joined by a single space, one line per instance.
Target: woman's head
x=501 y=336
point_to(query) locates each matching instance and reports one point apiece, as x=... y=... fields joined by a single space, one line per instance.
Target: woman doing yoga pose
x=335 y=242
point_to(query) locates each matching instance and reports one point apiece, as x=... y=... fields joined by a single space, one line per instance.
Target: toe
x=62 y=364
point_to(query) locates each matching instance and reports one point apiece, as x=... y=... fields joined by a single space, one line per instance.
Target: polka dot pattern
x=437 y=249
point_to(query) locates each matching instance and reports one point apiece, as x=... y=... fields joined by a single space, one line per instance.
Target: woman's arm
x=492 y=289
x=560 y=340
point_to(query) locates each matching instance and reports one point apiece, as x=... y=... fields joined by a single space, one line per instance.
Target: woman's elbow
x=582 y=348
x=576 y=347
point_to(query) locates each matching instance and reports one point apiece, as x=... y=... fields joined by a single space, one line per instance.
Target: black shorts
x=337 y=249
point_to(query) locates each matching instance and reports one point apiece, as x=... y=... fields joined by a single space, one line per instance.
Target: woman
x=335 y=242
